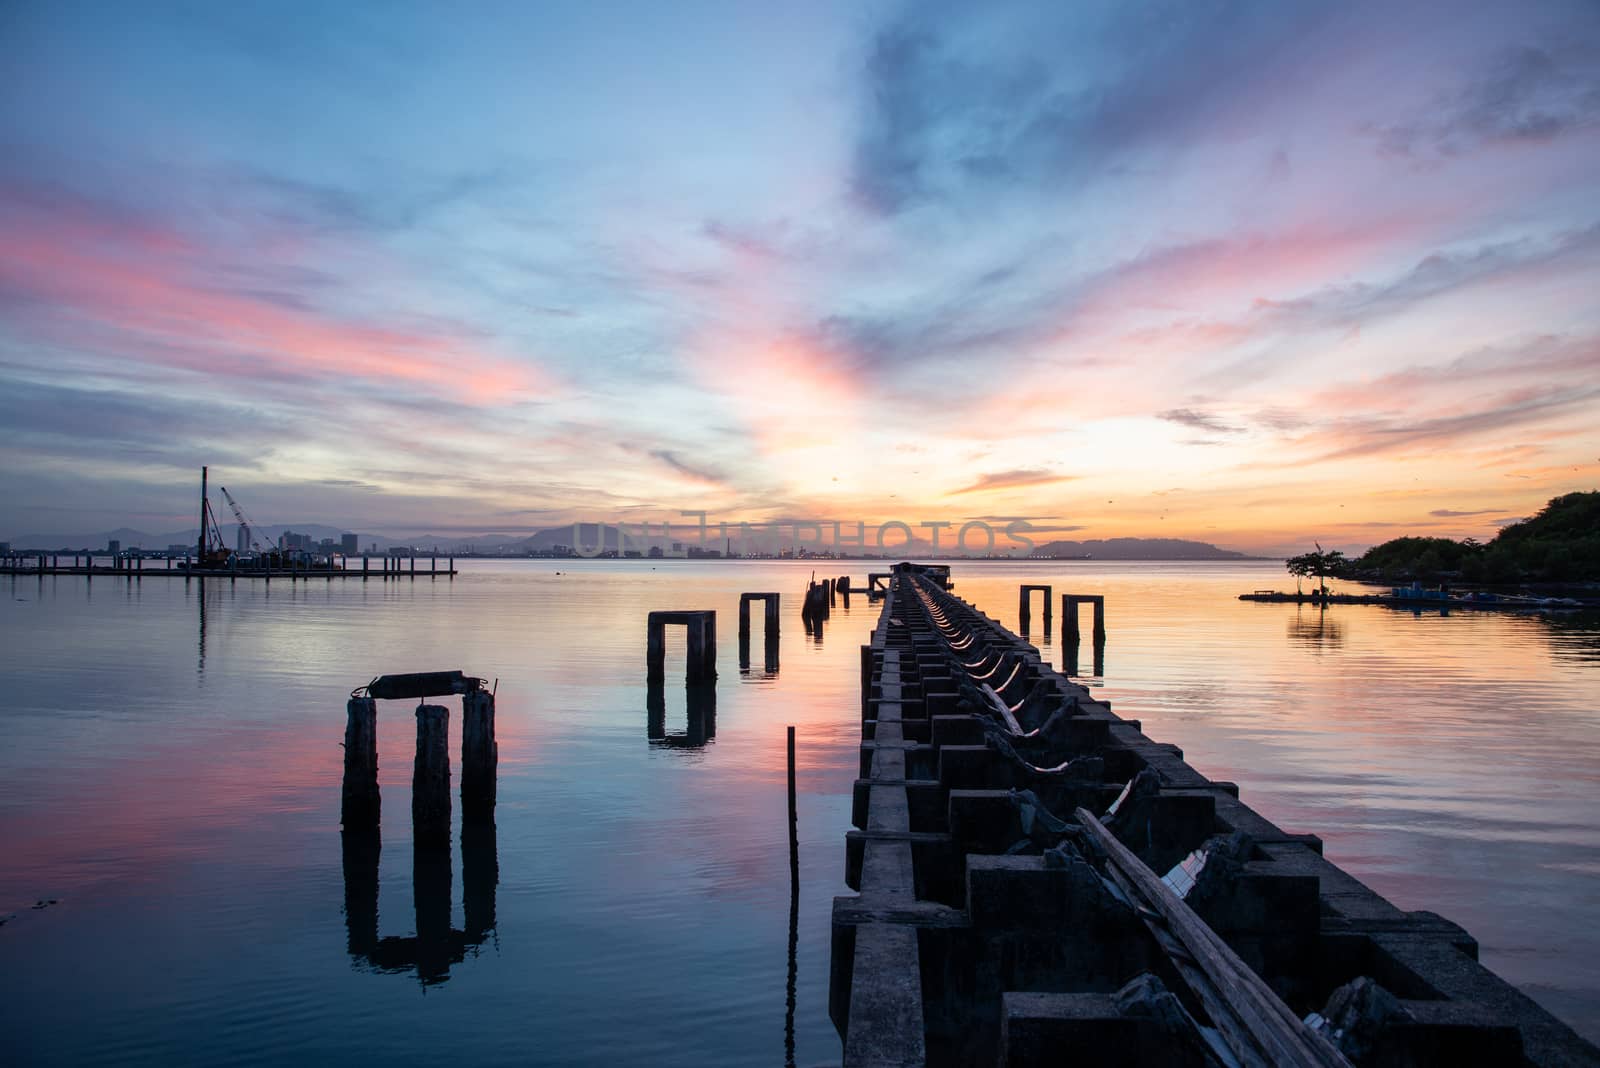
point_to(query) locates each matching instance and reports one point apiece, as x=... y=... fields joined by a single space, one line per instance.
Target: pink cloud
x=143 y=292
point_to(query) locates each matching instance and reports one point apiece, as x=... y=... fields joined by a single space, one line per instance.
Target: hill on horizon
x=1137 y=549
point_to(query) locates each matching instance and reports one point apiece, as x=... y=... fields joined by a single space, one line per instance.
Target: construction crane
x=249 y=527
x=209 y=547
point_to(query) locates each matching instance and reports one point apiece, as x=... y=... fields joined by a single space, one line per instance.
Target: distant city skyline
x=1250 y=274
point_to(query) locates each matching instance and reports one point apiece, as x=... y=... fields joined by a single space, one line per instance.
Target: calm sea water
x=170 y=781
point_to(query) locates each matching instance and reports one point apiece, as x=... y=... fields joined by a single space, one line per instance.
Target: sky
x=1249 y=273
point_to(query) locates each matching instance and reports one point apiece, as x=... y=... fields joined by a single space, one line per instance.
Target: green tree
x=1319 y=565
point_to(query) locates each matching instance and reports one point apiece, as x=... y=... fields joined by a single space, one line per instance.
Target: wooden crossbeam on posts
x=1253 y=1020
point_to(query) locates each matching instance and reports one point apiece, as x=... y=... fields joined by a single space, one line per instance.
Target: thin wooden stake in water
x=794 y=916
x=794 y=834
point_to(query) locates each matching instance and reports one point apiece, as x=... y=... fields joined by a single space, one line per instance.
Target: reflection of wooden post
x=430 y=897
x=360 y=804
x=480 y=756
x=361 y=852
x=480 y=874
x=430 y=779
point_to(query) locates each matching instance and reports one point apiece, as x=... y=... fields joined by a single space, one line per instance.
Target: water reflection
x=769 y=665
x=435 y=946
x=201 y=670
x=701 y=704
x=1574 y=636
x=1069 y=660
x=1316 y=630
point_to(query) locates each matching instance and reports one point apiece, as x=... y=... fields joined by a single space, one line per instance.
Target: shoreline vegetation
x=1559 y=546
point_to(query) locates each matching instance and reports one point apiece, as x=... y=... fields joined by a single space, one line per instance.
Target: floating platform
x=1011 y=835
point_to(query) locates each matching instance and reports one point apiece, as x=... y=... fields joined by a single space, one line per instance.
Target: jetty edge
x=1011 y=835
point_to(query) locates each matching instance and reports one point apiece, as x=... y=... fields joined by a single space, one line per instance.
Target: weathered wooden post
x=1099 y=619
x=430 y=778
x=655 y=648
x=359 y=809
x=702 y=645
x=366 y=567
x=702 y=650
x=772 y=615
x=1069 y=619
x=794 y=833
x=1025 y=608
x=413 y=564
x=480 y=756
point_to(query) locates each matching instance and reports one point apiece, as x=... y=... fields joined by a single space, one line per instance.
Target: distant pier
x=367 y=566
x=1039 y=882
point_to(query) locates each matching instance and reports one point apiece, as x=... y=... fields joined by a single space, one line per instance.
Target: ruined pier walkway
x=1011 y=839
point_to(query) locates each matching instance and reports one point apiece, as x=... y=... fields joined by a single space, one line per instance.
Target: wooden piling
x=360 y=804
x=480 y=756
x=430 y=778
x=702 y=651
x=702 y=645
x=794 y=827
x=655 y=650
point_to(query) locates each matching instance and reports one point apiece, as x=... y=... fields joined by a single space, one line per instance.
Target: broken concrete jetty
x=1039 y=883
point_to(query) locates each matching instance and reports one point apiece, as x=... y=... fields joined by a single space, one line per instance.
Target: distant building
x=5 y=548
x=289 y=540
x=349 y=544
x=113 y=547
x=656 y=553
x=241 y=540
x=178 y=550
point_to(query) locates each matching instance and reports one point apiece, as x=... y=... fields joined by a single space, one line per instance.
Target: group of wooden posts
x=1071 y=636
x=430 y=779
